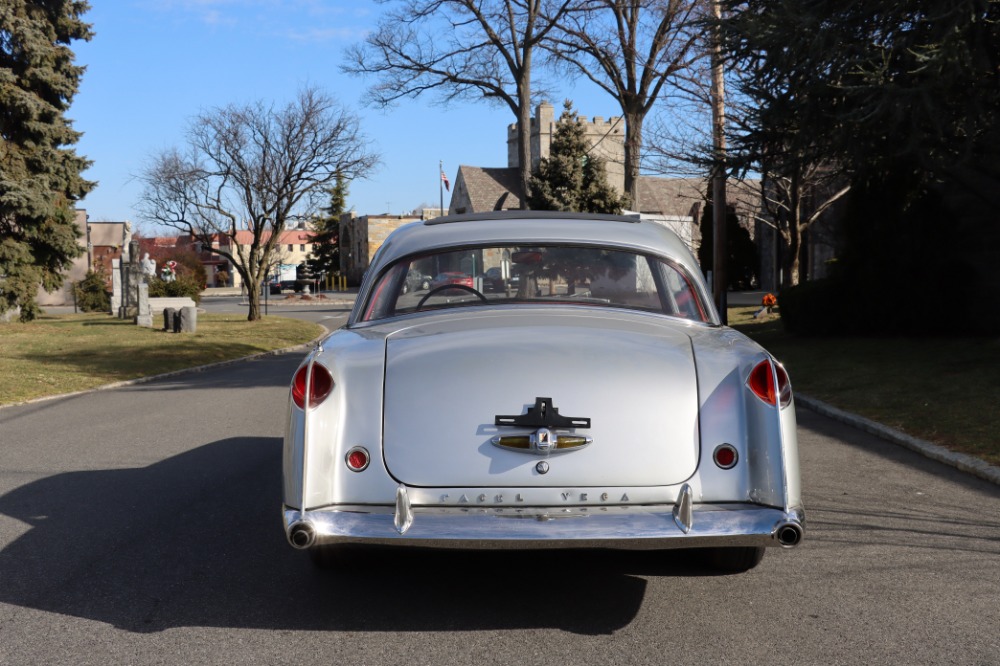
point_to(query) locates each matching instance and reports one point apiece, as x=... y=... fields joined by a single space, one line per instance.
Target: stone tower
x=606 y=138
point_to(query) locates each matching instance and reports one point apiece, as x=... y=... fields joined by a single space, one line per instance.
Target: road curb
x=961 y=461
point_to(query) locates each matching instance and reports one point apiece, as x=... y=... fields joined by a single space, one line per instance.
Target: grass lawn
x=65 y=353
x=943 y=390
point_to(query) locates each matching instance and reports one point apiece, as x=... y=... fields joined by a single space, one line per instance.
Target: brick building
x=362 y=235
x=102 y=242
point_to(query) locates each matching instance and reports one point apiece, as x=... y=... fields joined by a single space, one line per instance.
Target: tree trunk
x=720 y=279
x=794 y=231
x=253 y=298
x=633 y=154
x=252 y=285
x=524 y=136
x=790 y=261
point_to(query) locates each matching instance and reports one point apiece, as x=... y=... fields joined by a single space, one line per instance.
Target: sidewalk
x=346 y=297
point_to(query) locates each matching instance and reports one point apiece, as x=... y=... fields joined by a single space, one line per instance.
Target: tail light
x=314 y=379
x=762 y=382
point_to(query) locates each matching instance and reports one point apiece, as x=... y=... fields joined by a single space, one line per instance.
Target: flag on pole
x=444 y=179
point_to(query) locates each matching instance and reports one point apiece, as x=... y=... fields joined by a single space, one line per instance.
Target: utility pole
x=720 y=257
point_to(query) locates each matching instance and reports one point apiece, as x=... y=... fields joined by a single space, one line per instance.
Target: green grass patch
x=65 y=353
x=943 y=390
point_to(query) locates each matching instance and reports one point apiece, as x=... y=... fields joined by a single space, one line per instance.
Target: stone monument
x=147 y=268
x=130 y=282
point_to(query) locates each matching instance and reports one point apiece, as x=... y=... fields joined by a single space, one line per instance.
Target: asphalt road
x=141 y=525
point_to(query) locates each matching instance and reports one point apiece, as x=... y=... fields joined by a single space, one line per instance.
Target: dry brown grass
x=66 y=353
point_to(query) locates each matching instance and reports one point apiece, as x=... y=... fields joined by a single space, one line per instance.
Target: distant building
x=606 y=139
x=482 y=189
x=362 y=236
x=102 y=242
x=674 y=202
x=293 y=248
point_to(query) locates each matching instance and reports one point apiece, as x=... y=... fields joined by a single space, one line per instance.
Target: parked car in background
x=493 y=280
x=416 y=281
x=600 y=405
x=451 y=278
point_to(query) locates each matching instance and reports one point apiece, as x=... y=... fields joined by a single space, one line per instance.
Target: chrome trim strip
x=650 y=527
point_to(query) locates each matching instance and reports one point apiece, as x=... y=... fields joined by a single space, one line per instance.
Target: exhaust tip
x=301 y=535
x=788 y=534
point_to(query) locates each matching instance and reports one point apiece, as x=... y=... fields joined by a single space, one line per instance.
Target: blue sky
x=155 y=64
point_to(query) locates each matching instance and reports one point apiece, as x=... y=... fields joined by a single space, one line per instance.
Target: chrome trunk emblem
x=542 y=442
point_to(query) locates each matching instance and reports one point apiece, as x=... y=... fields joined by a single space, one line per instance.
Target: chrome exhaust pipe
x=301 y=535
x=788 y=534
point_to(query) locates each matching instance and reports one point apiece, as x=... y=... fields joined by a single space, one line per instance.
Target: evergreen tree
x=325 y=256
x=570 y=179
x=39 y=171
x=899 y=100
x=869 y=87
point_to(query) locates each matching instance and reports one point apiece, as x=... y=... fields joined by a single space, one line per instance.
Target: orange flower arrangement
x=769 y=301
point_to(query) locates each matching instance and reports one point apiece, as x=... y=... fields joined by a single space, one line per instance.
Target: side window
x=383 y=300
x=681 y=294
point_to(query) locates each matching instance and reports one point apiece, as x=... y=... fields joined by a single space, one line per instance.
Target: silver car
x=599 y=404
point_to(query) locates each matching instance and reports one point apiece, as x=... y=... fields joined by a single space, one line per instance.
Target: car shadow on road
x=196 y=540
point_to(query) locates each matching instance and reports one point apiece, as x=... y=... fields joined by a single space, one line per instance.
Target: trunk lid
x=448 y=379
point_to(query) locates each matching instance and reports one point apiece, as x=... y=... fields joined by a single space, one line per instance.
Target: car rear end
x=541 y=425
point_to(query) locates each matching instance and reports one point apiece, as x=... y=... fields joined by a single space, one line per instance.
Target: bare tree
x=461 y=49
x=794 y=199
x=254 y=168
x=632 y=49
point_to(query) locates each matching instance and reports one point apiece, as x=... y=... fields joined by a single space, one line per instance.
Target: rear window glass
x=551 y=275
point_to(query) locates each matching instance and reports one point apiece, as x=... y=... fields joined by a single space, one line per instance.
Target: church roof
x=494 y=189
x=681 y=196
x=489 y=188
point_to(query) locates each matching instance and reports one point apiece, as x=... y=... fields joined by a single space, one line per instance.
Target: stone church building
x=674 y=202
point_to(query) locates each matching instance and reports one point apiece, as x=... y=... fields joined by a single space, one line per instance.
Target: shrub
x=183 y=285
x=820 y=307
x=91 y=293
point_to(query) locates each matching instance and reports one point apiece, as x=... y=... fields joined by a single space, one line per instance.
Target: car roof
x=532 y=227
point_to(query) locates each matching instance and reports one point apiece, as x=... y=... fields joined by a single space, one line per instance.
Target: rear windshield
x=518 y=275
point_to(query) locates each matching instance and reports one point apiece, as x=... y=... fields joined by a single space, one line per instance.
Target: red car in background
x=451 y=277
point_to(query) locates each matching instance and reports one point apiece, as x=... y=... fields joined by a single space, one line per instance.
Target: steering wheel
x=444 y=287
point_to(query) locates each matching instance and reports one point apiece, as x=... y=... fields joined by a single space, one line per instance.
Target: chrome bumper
x=616 y=527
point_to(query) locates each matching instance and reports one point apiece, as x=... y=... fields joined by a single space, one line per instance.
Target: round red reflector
x=726 y=456
x=357 y=459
